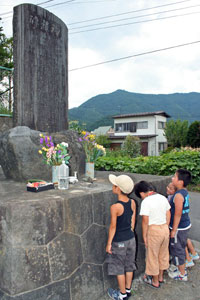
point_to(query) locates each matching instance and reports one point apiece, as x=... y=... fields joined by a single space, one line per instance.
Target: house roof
x=122 y=137
x=101 y=130
x=161 y=113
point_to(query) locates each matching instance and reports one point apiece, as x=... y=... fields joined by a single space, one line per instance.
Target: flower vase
x=89 y=169
x=55 y=174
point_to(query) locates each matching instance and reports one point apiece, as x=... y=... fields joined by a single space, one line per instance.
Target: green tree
x=103 y=140
x=176 y=133
x=6 y=76
x=193 y=136
x=132 y=146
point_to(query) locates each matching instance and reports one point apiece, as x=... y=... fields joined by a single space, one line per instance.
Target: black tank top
x=123 y=228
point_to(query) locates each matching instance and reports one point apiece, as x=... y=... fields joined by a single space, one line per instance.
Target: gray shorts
x=122 y=259
x=177 y=247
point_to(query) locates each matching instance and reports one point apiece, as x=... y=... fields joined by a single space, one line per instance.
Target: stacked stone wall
x=52 y=244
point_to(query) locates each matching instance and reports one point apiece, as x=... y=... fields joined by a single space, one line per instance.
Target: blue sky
x=170 y=71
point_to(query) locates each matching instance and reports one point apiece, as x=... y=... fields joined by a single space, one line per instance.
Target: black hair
x=143 y=186
x=184 y=175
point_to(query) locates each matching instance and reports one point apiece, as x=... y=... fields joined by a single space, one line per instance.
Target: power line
x=135 y=17
x=9 y=12
x=80 y=2
x=107 y=16
x=129 y=12
x=135 y=55
x=132 y=23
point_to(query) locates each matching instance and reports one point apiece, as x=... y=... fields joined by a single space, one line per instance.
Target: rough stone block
x=65 y=255
x=25 y=269
x=20 y=159
x=41 y=69
x=57 y=291
x=87 y=283
x=78 y=214
x=94 y=244
x=31 y=223
x=101 y=207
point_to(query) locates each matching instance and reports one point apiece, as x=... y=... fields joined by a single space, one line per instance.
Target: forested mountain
x=98 y=110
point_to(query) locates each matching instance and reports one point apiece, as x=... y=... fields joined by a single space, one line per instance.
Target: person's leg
x=128 y=280
x=155 y=280
x=164 y=251
x=152 y=263
x=182 y=269
x=130 y=264
x=187 y=254
x=191 y=247
x=121 y=283
x=160 y=276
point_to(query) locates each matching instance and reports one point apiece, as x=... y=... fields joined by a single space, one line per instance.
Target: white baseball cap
x=124 y=182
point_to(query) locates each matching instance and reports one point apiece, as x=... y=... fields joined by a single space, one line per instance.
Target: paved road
x=194 y=215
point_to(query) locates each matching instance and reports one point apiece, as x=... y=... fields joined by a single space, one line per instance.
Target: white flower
x=64 y=144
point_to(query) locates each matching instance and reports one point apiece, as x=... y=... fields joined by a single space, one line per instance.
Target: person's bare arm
x=133 y=206
x=112 y=228
x=168 y=216
x=145 y=224
x=178 y=201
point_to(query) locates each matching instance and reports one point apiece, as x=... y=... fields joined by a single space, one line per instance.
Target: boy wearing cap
x=121 y=245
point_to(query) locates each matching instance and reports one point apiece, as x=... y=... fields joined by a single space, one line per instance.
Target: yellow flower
x=40 y=151
x=83 y=132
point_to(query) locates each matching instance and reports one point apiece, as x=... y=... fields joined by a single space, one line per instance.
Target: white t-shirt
x=155 y=207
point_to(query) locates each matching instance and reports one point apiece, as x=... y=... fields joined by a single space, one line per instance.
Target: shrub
x=165 y=164
x=132 y=146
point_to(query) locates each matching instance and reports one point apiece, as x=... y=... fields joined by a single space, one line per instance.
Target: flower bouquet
x=53 y=155
x=92 y=149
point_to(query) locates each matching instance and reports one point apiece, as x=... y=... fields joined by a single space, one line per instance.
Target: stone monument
x=40 y=69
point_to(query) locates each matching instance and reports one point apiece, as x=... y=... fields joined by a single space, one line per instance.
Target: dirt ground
x=171 y=289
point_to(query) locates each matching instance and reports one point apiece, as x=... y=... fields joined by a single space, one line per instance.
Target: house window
x=142 y=125
x=129 y=127
x=161 y=125
x=118 y=127
x=161 y=147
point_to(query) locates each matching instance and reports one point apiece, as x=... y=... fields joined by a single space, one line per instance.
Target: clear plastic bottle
x=63 y=176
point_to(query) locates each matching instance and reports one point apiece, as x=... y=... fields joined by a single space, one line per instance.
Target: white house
x=149 y=127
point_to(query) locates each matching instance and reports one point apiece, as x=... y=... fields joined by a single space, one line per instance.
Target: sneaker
x=172 y=268
x=189 y=264
x=178 y=276
x=114 y=294
x=194 y=257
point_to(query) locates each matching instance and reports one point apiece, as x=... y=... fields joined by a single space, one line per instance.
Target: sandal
x=162 y=281
x=149 y=280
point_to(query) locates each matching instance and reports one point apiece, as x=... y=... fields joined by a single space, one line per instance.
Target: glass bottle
x=63 y=176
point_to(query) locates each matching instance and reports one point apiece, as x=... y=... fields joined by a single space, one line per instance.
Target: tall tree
x=194 y=134
x=176 y=133
x=6 y=60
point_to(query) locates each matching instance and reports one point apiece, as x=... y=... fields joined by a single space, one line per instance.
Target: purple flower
x=41 y=140
x=59 y=151
x=62 y=156
x=46 y=139
x=48 y=145
x=80 y=139
x=52 y=144
x=50 y=138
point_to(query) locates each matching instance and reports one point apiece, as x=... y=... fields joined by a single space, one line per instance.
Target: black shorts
x=122 y=259
x=177 y=247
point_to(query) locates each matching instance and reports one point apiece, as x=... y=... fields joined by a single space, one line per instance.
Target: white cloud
x=170 y=71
